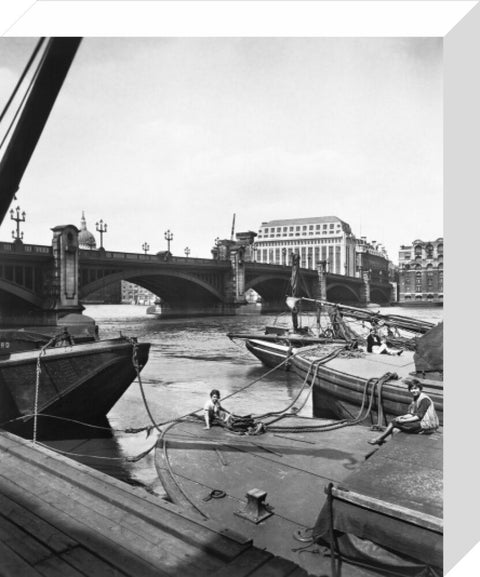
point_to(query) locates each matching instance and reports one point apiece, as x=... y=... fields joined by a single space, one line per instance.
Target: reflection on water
x=188 y=358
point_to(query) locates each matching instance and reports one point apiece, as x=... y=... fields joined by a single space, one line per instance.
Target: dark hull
x=340 y=393
x=81 y=382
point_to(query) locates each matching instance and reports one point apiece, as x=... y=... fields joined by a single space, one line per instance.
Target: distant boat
x=74 y=382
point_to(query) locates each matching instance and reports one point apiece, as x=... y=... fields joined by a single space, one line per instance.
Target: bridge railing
x=145 y=258
x=11 y=247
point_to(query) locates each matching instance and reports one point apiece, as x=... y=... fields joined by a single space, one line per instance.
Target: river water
x=188 y=358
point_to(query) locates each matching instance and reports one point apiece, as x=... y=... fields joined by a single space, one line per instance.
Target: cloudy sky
x=151 y=134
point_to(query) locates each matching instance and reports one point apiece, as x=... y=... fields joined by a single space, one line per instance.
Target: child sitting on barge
x=421 y=416
x=213 y=411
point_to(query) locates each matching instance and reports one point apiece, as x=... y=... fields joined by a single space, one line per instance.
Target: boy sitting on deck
x=214 y=413
x=421 y=416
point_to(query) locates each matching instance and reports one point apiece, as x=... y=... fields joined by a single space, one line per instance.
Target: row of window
x=291 y=244
x=309 y=256
x=418 y=266
x=303 y=227
x=304 y=233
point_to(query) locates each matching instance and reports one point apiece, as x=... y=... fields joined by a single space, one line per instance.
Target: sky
x=180 y=134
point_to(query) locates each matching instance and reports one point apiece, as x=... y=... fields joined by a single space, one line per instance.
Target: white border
x=233 y=18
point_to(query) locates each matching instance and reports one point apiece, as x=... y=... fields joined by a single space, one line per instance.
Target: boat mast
x=293 y=287
x=49 y=78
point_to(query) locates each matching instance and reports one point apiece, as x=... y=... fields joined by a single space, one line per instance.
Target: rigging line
x=22 y=77
x=70 y=454
x=227 y=495
x=86 y=425
x=22 y=102
x=271 y=459
x=163 y=441
x=191 y=413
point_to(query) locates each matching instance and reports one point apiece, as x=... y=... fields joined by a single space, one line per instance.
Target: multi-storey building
x=321 y=238
x=372 y=258
x=421 y=272
x=135 y=294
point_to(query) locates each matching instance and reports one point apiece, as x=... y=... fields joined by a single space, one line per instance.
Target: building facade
x=421 y=272
x=372 y=258
x=135 y=294
x=323 y=238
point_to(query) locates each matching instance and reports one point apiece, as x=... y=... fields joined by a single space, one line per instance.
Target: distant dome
x=85 y=237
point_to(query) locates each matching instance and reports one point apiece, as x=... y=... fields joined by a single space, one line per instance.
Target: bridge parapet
x=99 y=255
x=11 y=247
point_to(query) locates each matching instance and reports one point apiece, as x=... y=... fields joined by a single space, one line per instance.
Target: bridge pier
x=58 y=305
x=322 y=280
x=365 y=288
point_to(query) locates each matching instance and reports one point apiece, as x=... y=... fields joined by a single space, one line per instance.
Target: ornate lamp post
x=101 y=228
x=18 y=219
x=187 y=251
x=168 y=237
x=146 y=247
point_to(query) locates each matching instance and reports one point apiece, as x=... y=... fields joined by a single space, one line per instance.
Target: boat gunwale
x=81 y=349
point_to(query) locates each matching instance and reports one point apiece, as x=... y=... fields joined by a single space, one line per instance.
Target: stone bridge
x=39 y=284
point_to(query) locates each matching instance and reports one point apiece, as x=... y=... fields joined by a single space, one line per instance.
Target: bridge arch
x=267 y=285
x=147 y=279
x=341 y=292
x=21 y=293
x=380 y=295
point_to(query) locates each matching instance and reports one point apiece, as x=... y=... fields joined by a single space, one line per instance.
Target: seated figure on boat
x=373 y=340
x=213 y=411
x=421 y=416
x=379 y=346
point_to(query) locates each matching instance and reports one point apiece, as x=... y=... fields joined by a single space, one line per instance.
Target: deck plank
x=110 y=522
x=118 y=493
x=13 y=565
x=277 y=567
x=243 y=565
x=37 y=527
x=59 y=517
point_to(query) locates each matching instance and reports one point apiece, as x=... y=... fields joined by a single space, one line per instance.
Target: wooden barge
x=344 y=383
x=61 y=518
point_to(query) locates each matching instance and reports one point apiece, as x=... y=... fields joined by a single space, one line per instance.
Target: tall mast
x=233 y=227
x=48 y=81
x=293 y=288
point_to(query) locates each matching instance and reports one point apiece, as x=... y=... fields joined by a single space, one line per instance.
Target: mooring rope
x=376 y=384
x=175 y=419
x=38 y=371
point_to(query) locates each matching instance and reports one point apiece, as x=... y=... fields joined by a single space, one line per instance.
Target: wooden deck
x=59 y=518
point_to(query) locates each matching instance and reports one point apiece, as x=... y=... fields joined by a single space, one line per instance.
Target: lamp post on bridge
x=102 y=229
x=187 y=251
x=146 y=247
x=18 y=236
x=168 y=237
